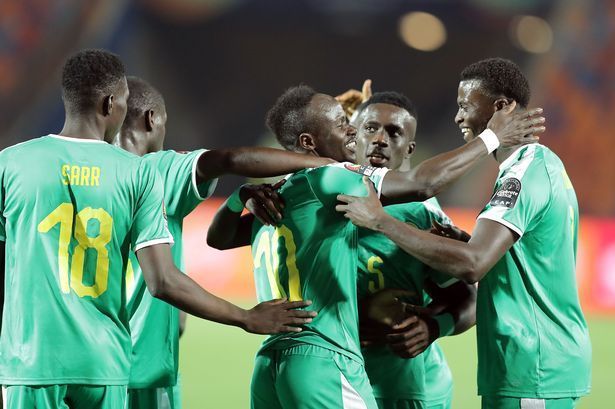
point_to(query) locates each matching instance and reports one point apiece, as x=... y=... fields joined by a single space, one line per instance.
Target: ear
x=307 y=142
x=411 y=147
x=149 y=120
x=108 y=105
x=502 y=103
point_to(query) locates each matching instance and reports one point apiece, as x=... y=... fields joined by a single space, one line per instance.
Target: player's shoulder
x=25 y=146
x=345 y=168
x=169 y=156
x=528 y=157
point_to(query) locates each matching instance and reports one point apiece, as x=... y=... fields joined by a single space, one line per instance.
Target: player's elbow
x=472 y=274
x=158 y=286
x=472 y=270
x=216 y=242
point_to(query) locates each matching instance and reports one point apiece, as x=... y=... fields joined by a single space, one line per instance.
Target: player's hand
x=351 y=99
x=275 y=316
x=385 y=307
x=449 y=230
x=263 y=201
x=415 y=334
x=364 y=211
x=517 y=127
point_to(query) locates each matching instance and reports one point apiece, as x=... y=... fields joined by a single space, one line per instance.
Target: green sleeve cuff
x=446 y=324
x=234 y=202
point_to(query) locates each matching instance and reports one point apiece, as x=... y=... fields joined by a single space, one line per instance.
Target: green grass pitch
x=216 y=365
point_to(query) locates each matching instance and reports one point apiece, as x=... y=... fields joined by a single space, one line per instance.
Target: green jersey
x=70 y=210
x=382 y=264
x=154 y=324
x=532 y=336
x=312 y=255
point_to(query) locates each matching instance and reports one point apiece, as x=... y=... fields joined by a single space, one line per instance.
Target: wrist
x=234 y=202
x=446 y=324
x=382 y=222
x=490 y=140
x=243 y=319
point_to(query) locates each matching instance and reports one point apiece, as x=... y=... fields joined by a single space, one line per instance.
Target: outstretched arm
x=166 y=282
x=229 y=229
x=467 y=261
x=253 y=162
x=433 y=175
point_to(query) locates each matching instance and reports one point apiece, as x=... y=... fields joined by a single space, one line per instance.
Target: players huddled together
x=358 y=270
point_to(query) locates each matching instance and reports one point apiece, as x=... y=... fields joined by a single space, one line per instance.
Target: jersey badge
x=360 y=169
x=507 y=194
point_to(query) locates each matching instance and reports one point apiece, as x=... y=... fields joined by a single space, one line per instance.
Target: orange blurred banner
x=229 y=273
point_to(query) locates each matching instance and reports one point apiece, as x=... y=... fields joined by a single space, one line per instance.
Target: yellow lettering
x=85 y=176
x=74 y=175
x=65 y=169
x=95 y=176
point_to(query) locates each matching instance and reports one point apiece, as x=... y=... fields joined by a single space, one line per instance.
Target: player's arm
x=166 y=282
x=431 y=176
x=467 y=261
x=229 y=229
x=458 y=300
x=253 y=162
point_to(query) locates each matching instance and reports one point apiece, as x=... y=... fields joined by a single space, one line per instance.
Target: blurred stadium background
x=221 y=63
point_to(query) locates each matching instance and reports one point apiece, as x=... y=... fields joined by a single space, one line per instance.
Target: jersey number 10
x=65 y=216
x=267 y=253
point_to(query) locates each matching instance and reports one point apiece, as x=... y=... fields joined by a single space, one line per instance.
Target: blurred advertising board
x=229 y=273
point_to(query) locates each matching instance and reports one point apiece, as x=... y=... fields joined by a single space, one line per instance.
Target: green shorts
x=501 y=402
x=309 y=377
x=65 y=396
x=414 y=404
x=154 y=398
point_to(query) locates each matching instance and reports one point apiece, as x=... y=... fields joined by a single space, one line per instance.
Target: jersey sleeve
x=344 y=178
x=149 y=222
x=182 y=194
x=522 y=193
x=3 y=161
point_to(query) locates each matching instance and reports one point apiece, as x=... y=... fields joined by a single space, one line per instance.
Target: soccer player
x=188 y=178
x=71 y=205
x=312 y=252
x=533 y=344
x=386 y=126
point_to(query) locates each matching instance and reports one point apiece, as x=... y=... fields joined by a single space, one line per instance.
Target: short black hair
x=288 y=117
x=87 y=75
x=143 y=97
x=392 y=98
x=499 y=76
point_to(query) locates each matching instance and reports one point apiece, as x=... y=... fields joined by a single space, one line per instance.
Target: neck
x=83 y=127
x=129 y=141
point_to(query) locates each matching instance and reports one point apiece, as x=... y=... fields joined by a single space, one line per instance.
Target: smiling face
x=475 y=109
x=335 y=137
x=385 y=136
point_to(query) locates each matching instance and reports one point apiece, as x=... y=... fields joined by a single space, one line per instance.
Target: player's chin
x=378 y=162
x=349 y=156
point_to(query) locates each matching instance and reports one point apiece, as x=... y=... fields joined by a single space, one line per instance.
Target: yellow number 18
x=64 y=215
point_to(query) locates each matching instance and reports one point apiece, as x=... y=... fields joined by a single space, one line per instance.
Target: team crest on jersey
x=360 y=169
x=507 y=194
